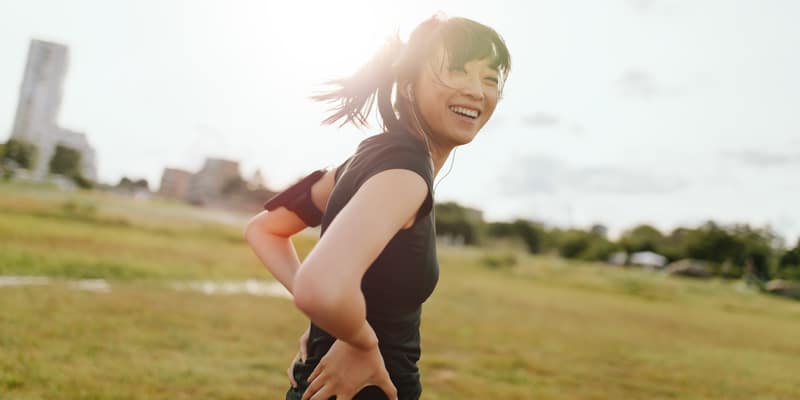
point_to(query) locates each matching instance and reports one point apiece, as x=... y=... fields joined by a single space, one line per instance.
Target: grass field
x=542 y=329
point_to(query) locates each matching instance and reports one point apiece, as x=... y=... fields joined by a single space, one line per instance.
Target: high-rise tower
x=39 y=104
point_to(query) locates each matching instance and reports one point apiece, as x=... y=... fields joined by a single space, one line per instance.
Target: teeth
x=465 y=111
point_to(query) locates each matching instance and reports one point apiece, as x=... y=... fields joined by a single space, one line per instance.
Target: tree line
x=728 y=250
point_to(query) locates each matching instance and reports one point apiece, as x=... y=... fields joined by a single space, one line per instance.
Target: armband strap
x=297 y=198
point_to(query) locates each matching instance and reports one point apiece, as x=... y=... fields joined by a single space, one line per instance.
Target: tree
x=789 y=264
x=65 y=161
x=531 y=233
x=674 y=245
x=738 y=248
x=130 y=184
x=585 y=245
x=456 y=220
x=642 y=238
x=20 y=152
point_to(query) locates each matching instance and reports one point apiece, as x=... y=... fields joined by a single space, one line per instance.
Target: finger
x=324 y=393
x=388 y=387
x=317 y=370
x=313 y=387
x=290 y=372
x=307 y=393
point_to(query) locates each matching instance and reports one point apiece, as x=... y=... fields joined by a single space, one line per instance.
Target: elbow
x=306 y=298
x=253 y=228
x=248 y=231
x=303 y=300
x=313 y=297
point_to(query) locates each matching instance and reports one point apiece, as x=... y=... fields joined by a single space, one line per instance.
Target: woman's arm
x=269 y=233
x=327 y=286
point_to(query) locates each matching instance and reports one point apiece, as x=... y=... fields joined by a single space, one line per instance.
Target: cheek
x=489 y=111
x=434 y=107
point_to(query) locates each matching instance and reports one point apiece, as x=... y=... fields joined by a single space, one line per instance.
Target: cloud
x=759 y=158
x=638 y=83
x=541 y=174
x=622 y=181
x=531 y=175
x=540 y=119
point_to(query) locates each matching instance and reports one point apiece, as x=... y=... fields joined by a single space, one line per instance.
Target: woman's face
x=455 y=114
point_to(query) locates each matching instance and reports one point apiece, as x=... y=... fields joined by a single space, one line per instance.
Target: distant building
x=257 y=180
x=618 y=258
x=36 y=120
x=689 y=267
x=648 y=259
x=174 y=183
x=206 y=185
x=217 y=185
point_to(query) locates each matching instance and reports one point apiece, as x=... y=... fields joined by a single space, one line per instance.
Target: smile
x=466 y=112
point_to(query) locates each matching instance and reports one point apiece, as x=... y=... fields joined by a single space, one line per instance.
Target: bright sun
x=323 y=40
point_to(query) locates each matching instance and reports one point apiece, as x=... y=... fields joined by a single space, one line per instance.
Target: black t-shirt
x=401 y=278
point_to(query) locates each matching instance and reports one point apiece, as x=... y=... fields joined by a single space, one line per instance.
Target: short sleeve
x=403 y=157
x=341 y=168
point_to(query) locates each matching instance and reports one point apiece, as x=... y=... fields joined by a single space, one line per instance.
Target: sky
x=618 y=112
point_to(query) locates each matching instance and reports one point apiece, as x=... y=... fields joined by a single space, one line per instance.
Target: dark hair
x=399 y=63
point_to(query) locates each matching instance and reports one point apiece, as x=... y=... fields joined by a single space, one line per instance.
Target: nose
x=472 y=87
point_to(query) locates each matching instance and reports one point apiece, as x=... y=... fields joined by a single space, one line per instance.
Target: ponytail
x=355 y=95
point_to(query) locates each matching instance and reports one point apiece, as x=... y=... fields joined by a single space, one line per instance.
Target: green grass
x=543 y=328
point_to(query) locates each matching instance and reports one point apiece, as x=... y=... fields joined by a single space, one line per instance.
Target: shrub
x=498 y=261
x=22 y=153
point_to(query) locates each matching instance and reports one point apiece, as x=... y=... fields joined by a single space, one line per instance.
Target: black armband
x=297 y=198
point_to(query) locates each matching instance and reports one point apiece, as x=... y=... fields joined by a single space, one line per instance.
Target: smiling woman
x=363 y=284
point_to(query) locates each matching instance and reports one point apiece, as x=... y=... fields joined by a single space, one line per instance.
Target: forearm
x=341 y=313
x=278 y=254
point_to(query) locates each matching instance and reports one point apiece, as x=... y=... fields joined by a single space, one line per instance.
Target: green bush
x=789 y=264
x=82 y=182
x=498 y=261
x=585 y=245
x=20 y=152
x=65 y=161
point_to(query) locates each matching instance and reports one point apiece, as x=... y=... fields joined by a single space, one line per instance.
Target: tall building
x=39 y=104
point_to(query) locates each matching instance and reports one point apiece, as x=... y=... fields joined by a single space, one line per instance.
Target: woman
x=363 y=284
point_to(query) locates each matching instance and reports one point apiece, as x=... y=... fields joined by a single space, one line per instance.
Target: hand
x=301 y=356
x=345 y=370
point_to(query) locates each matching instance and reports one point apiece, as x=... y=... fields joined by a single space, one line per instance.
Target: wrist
x=365 y=339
